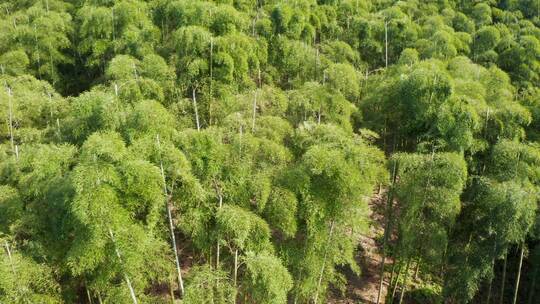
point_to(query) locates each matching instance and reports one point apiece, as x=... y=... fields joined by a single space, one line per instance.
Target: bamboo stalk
x=501 y=297
x=235 y=266
x=88 y=295
x=389 y=203
x=196 y=111
x=126 y=277
x=490 y=283
x=404 y=285
x=10 y=108
x=533 y=285
x=394 y=289
x=516 y=289
x=324 y=263
x=9 y=257
x=254 y=112
x=171 y=226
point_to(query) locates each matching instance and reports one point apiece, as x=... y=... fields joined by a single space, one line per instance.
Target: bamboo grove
x=225 y=151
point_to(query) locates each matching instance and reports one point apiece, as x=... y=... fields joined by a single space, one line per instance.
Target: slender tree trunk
x=516 y=289
x=416 y=270
x=324 y=263
x=490 y=282
x=10 y=108
x=467 y=247
x=175 y=248
x=217 y=254
x=170 y=220
x=196 y=111
x=88 y=295
x=126 y=277
x=99 y=298
x=394 y=289
x=389 y=212
x=386 y=44
x=501 y=297
x=8 y=251
x=492 y=273
x=392 y=274
x=210 y=109
x=113 y=31
x=533 y=285
x=58 y=127
x=220 y=197
x=235 y=266
x=171 y=290
x=254 y=112
x=404 y=285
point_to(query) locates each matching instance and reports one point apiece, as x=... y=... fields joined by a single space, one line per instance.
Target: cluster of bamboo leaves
x=226 y=151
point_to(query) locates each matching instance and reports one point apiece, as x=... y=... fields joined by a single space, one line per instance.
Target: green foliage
x=267 y=279
x=117 y=202
x=429 y=190
x=36 y=36
x=206 y=285
x=243 y=229
x=122 y=27
x=22 y=280
x=257 y=132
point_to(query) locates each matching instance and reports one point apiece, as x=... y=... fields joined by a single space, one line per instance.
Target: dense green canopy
x=238 y=145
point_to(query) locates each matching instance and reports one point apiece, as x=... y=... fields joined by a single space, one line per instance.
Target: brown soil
x=364 y=288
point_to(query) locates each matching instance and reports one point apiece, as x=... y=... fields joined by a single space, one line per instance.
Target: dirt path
x=364 y=288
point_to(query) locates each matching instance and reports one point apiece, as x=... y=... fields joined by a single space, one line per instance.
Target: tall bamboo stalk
x=220 y=197
x=386 y=43
x=8 y=251
x=254 y=111
x=196 y=111
x=171 y=226
x=501 y=297
x=324 y=262
x=235 y=266
x=210 y=109
x=389 y=203
x=490 y=282
x=533 y=285
x=404 y=285
x=516 y=289
x=394 y=289
x=88 y=294
x=10 y=118
x=126 y=277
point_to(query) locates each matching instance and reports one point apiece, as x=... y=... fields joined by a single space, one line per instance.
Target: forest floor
x=364 y=288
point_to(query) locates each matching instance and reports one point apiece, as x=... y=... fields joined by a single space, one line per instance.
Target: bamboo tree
x=404 y=285
x=254 y=112
x=501 y=296
x=196 y=111
x=386 y=44
x=330 y=234
x=492 y=271
x=533 y=285
x=88 y=294
x=10 y=118
x=516 y=289
x=211 y=78
x=387 y=230
x=220 y=205
x=170 y=220
x=126 y=277
x=8 y=252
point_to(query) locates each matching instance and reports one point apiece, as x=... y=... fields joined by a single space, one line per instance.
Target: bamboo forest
x=269 y=151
